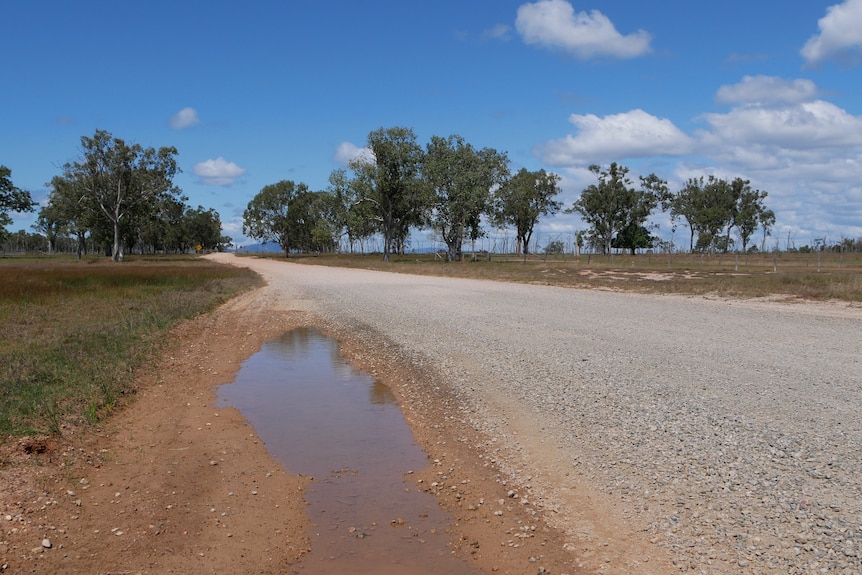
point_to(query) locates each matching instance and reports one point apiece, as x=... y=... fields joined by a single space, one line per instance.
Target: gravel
x=730 y=429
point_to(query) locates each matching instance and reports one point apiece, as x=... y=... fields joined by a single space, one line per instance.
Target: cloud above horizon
x=554 y=24
x=348 y=152
x=840 y=36
x=780 y=133
x=610 y=138
x=185 y=118
x=218 y=172
x=783 y=116
x=767 y=90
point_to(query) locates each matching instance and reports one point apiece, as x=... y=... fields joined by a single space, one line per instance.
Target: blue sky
x=254 y=92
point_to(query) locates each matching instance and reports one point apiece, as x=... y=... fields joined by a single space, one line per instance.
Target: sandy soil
x=170 y=484
x=173 y=484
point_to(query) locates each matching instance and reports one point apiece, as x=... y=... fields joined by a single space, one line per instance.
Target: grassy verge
x=802 y=276
x=73 y=333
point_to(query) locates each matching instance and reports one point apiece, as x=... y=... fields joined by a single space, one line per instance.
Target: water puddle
x=321 y=417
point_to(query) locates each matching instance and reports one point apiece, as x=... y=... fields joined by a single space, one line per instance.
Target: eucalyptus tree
x=715 y=215
x=685 y=204
x=461 y=180
x=614 y=204
x=391 y=184
x=267 y=216
x=51 y=223
x=202 y=228
x=69 y=203
x=706 y=205
x=121 y=180
x=12 y=199
x=712 y=207
x=314 y=222
x=351 y=216
x=766 y=221
x=749 y=211
x=523 y=199
x=160 y=228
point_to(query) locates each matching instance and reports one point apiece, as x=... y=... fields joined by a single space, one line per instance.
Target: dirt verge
x=173 y=484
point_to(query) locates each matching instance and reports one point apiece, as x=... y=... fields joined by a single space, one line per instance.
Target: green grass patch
x=75 y=332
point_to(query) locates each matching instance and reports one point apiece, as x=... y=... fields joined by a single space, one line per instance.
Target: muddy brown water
x=319 y=416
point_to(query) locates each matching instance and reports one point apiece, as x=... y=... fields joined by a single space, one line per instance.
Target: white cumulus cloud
x=808 y=125
x=185 y=118
x=218 y=172
x=612 y=138
x=347 y=152
x=554 y=24
x=807 y=155
x=767 y=90
x=840 y=35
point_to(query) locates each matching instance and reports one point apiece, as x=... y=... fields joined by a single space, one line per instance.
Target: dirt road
x=604 y=433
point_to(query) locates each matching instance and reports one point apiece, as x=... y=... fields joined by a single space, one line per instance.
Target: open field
x=829 y=277
x=75 y=331
x=568 y=430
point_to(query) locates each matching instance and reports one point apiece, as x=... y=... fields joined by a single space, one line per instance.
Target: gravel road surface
x=728 y=433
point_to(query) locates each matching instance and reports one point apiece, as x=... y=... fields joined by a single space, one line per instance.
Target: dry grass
x=74 y=332
x=783 y=275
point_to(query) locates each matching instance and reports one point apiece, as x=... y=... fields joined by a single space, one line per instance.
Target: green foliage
x=12 y=199
x=633 y=237
x=391 y=185
x=555 y=247
x=24 y=242
x=353 y=216
x=268 y=215
x=314 y=221
x=202 y=228
x=713 y=207
x=118 y=182
x=164 y=224
x=523 y=199
x=461 y=179
x=614 y=205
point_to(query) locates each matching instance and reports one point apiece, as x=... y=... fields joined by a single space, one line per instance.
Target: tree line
x=117 y=197
x=449 y=186
x=455 y=189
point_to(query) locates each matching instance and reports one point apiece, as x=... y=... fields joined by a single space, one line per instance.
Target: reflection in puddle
x=321 y=417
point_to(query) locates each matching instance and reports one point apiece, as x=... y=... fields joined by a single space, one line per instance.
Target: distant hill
x=266 y=247
x=270 y=247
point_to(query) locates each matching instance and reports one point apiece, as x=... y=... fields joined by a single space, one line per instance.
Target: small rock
x=46 y=543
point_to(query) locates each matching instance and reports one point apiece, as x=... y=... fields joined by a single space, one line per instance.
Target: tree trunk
x=116 y=252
